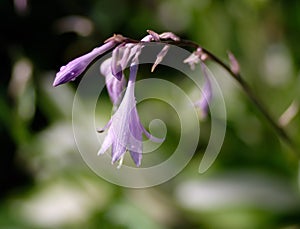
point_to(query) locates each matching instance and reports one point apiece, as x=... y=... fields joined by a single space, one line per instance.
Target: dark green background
x=39 y=173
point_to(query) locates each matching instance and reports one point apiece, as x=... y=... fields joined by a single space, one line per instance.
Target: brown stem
x=245 y=86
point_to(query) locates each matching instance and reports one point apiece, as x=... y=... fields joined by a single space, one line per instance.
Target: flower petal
x=108 y=124
x=160 y=56
x=154 y=35
x=206 y=92
x=116 y=68
x=114 y=86
x=135 y=140
x=105 y=67
x=169 y=35
x=151 y=137
x=136 y=157
x=192 y=60
x=128 y=53
x=234 y=64
x=135 y=145
x=77 y=66
x=108 y=141
x=117 y=151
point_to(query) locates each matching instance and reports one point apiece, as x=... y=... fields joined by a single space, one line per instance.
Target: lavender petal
x=154 y=35
x=160 y=57
x=136 y=157
x=169 y=35
x=108 y=124
x=114 y=86
x=117 y=151
x=116 y=68
x=206 y=92
x=108 y=141
x=77 y=66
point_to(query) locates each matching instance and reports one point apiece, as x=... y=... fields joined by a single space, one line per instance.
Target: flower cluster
x=124 y=129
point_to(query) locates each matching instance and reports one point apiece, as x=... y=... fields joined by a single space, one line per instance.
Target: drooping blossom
x=114 y=86
x=113 y=70
x=77 y=66
x=124 y=128
x=116 y=68
x=206 y=97
x=121 y=57
x=206 y=92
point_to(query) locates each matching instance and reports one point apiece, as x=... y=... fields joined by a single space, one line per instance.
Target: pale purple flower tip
x=77 y=66
x=154 y=35
x=169 y=35
x=160 y=56
x=234 y=64
x=192 y=60
x=147 y=38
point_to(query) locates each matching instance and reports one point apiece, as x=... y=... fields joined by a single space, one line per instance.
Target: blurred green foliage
x=44 y=182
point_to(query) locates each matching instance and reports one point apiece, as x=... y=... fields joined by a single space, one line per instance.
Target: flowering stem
x=261 y=107
x=245 y=86
x=280 y=131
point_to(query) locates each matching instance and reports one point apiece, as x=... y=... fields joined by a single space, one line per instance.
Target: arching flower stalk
x=124 y=128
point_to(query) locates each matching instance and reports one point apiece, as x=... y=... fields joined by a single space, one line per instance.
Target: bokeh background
x=44 y=183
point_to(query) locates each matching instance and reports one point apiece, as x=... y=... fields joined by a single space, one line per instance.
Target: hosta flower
x=121 y=56
x=206 y=97
x=116 y=67
x=114 y=86
x=113 y=70
x=77 y=66
x=160 y=56
x=165 y=36
x=124 y=128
